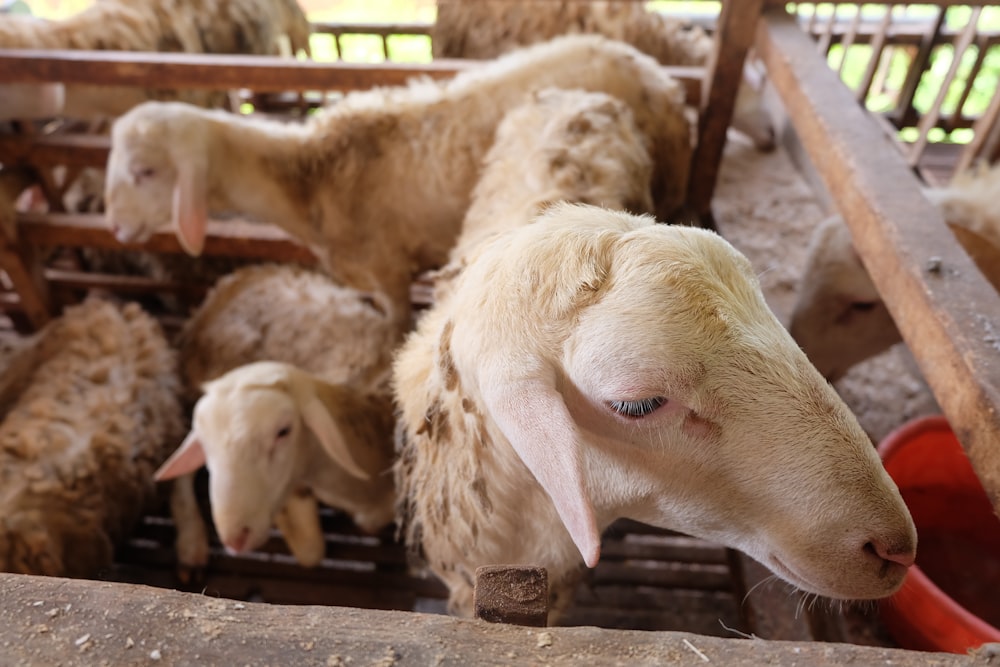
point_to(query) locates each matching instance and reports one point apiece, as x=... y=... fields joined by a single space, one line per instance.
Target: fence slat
x=930 y=117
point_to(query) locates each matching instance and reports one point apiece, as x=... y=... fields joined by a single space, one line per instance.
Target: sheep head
x=839 y=319
x=248 y=430
x=637 y=372
x=158 y=173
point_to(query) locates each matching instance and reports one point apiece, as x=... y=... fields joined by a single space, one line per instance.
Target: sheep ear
x=191 y=206
x=189 y=457
x=319 y=421
x=534 y=418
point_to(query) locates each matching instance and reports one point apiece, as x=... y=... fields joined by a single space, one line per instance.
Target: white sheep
x=376 y=185
x=488 y=28
x=595 y=365
x=79 y=445
x=839 y=317
x=560 y=145
x=325 y=381
x=193 y=26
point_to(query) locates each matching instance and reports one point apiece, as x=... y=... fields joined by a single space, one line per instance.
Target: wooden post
x=733 y=36
x=517 y=594
x=17 y=258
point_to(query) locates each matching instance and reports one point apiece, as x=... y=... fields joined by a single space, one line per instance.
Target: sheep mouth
x=789 y=575
x=886 y=574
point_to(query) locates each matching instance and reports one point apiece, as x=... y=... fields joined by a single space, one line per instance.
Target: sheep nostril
x=905 y=556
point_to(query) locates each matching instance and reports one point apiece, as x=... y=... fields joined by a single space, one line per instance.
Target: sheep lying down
x=595 y=365
x=275 y=439
x=837 y=300
x=97 y=403
x=332 y=342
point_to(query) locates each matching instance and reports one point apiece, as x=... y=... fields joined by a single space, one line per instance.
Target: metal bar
x=878 y=47
x=985 y=137
x=848 y=40
x=970 y=80
x=930 y=118
x=904 y=113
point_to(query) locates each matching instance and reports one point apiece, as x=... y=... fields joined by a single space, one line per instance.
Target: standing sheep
x=560 y=145
x=594 y=365
x=839 y=318
x=377 y=185
x=320 y=341
x=488 y=28
x=79 y=445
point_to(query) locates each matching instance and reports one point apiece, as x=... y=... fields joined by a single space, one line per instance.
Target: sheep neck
x=243 y=159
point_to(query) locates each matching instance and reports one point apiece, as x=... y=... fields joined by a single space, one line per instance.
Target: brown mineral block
x=517 y=594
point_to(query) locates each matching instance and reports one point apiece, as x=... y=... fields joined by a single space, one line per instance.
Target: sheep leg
x=299 y=522
x=192 y=535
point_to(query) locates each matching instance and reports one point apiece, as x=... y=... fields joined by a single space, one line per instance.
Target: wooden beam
x=237 y=238
x=212 y=71
x=51 y=620
x=733 y=37
x=73 y=150
x=215 y=71
x=945 y=309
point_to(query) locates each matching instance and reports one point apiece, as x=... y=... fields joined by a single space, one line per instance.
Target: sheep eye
x=142 y=173
x=283 y=432
x=637 y=409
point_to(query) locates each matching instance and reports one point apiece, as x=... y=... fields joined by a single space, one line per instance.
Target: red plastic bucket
x=950 y=600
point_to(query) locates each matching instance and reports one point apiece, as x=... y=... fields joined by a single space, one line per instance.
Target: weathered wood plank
x=225 y=237
x=212 y=71
x=946 y=310
x=74 y=150
x=48 y=621
x=217 y=71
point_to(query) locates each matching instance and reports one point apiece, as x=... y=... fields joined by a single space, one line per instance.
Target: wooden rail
x=259 y=73
x=50 y=620
x=945 y=309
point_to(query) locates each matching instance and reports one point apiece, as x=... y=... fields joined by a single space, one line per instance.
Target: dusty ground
x=766 y=208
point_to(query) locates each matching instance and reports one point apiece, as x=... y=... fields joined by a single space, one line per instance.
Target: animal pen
x=695 y=594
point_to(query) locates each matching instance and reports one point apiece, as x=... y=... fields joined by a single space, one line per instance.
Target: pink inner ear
x=191 y=208
x=189 y=457
x=534 y=418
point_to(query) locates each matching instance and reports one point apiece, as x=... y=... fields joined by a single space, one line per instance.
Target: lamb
x=595 y=365
x=488 y=28
x=192 y=26
x=256 y=369
x=376 y=185
x=837 y=300
x=81 y=441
